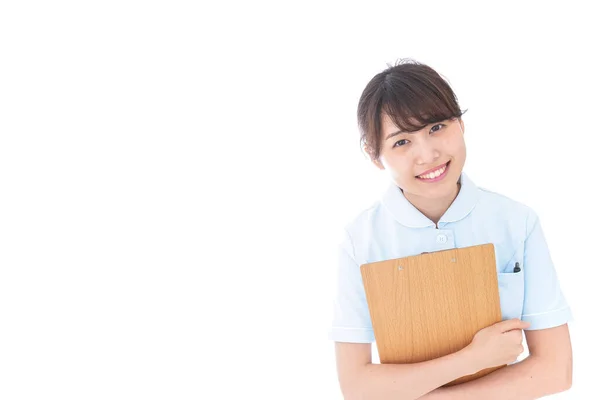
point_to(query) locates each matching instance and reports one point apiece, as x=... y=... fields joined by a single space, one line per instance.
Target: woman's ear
x=375 y=161
x=378 y=164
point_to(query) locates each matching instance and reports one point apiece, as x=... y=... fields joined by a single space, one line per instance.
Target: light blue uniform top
x=392 y=228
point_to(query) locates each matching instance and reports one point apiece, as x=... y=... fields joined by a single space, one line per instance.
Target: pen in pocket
x=517 y=268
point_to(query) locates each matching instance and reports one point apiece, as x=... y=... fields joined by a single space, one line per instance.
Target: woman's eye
x=435 y=130
x=399 y=141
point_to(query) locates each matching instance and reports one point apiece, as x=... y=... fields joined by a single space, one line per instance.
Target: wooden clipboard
x=429 y=305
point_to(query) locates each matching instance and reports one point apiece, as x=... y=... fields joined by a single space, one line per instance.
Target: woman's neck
x=433 y=209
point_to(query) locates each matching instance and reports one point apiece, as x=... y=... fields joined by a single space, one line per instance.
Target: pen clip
x=517 y=268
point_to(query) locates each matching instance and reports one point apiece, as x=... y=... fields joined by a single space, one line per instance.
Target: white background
x=174 y=178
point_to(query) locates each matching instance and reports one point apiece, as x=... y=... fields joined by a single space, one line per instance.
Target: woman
x=412 y=128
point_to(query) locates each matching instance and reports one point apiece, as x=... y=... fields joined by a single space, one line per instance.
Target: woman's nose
x=427 y=154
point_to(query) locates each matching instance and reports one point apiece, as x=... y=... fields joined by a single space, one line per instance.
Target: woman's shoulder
x=508 y=210
x=363 y=217
x=364 y=222
x=499 y=200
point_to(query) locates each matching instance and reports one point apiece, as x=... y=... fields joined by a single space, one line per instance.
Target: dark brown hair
x=412 y=94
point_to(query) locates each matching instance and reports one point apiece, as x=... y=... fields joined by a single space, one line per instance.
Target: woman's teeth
x=434 y=174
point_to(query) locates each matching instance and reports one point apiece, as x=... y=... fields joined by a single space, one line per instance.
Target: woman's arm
x=360 y=379
x=547 y=370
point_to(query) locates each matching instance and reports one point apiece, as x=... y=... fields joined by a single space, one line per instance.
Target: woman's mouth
x=436 y=175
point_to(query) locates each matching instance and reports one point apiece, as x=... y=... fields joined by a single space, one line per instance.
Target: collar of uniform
x=408 y=215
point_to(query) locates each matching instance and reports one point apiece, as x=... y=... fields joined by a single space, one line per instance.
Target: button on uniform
x=441 y=238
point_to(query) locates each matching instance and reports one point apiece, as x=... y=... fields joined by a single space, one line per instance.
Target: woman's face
x=407 y=155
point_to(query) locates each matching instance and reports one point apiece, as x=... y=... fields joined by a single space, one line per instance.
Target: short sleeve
x=544 y=305
x=351 y=318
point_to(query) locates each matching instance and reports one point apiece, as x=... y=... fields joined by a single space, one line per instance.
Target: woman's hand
x=498 y=344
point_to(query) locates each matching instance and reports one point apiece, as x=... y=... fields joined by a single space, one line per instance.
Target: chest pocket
x=511 y=286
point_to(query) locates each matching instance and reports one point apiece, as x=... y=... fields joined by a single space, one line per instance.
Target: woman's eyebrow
x=398 y=133
x=409 y=132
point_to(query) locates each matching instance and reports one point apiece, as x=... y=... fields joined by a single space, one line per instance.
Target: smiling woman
x=411 y=127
